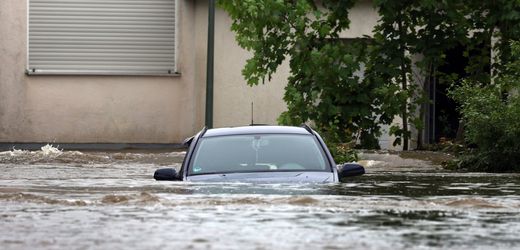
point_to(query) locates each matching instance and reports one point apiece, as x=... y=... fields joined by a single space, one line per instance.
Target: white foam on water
x=50 y=150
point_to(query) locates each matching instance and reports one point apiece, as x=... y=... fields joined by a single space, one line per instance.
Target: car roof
x=264 y=129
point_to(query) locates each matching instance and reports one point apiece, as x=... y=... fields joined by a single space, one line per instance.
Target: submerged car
x=260 y=154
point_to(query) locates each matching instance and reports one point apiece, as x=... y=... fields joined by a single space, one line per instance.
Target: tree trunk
x=422 y=111
x=404 y=86
x=459 y=138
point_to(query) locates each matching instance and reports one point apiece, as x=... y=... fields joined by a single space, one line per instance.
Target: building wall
x=233 y=97
x=141 y=109
x=363 y=17
x=97 y=109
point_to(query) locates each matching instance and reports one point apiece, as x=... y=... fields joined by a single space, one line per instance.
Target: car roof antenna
x=252 y=114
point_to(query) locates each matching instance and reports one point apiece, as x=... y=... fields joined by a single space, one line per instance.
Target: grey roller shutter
x=102 y=37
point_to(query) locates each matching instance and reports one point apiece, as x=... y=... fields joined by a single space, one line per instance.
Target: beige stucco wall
x=363 y=17
x=140 y=109
x=232 y=104
x=82 y=109
x=233 y=97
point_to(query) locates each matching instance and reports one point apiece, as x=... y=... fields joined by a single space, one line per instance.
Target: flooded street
x=71 y=200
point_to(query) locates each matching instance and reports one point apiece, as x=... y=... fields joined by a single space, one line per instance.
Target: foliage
x=492 y=120
x=325 y=86
x=343 y=153
x=429 y=28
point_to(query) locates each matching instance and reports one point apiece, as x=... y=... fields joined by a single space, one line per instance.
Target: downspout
x=209 y=64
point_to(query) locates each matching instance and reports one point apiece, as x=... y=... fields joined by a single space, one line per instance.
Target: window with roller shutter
x=102 y=37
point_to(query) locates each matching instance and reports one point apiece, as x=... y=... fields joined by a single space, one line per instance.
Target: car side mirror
x=165 y=174
x=350 y=170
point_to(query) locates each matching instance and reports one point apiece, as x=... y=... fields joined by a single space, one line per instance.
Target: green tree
x=326 y=84
x=492 y=118
x=430 y=28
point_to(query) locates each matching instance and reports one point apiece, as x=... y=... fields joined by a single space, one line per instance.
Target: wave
x=53 y=154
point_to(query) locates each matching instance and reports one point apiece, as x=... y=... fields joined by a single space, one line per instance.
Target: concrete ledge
x=5 y=146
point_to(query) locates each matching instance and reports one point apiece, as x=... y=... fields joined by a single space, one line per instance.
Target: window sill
x=32 y=72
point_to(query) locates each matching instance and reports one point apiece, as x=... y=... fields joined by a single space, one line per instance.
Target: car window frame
x=323 y=152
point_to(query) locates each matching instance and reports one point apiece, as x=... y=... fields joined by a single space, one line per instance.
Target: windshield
x=255 y=153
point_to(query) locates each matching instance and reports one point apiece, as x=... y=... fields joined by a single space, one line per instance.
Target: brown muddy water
x=70 y=200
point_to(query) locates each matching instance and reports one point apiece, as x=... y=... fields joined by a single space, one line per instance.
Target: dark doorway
x=446 y=115
x=442 y=118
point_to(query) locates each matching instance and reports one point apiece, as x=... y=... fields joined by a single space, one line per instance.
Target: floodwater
x=70 y=200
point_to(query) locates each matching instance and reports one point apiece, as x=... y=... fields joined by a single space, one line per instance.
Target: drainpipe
x=209 y=68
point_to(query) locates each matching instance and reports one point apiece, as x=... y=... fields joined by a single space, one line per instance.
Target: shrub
x=491 y=115
x=343 y=153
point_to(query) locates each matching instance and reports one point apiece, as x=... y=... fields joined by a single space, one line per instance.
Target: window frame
x=328 y=166
x=173 y=72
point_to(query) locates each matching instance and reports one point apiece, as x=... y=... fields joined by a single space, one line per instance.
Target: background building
x=128 y=71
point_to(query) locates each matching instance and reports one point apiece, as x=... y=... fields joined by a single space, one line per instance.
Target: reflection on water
x=60 y=200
